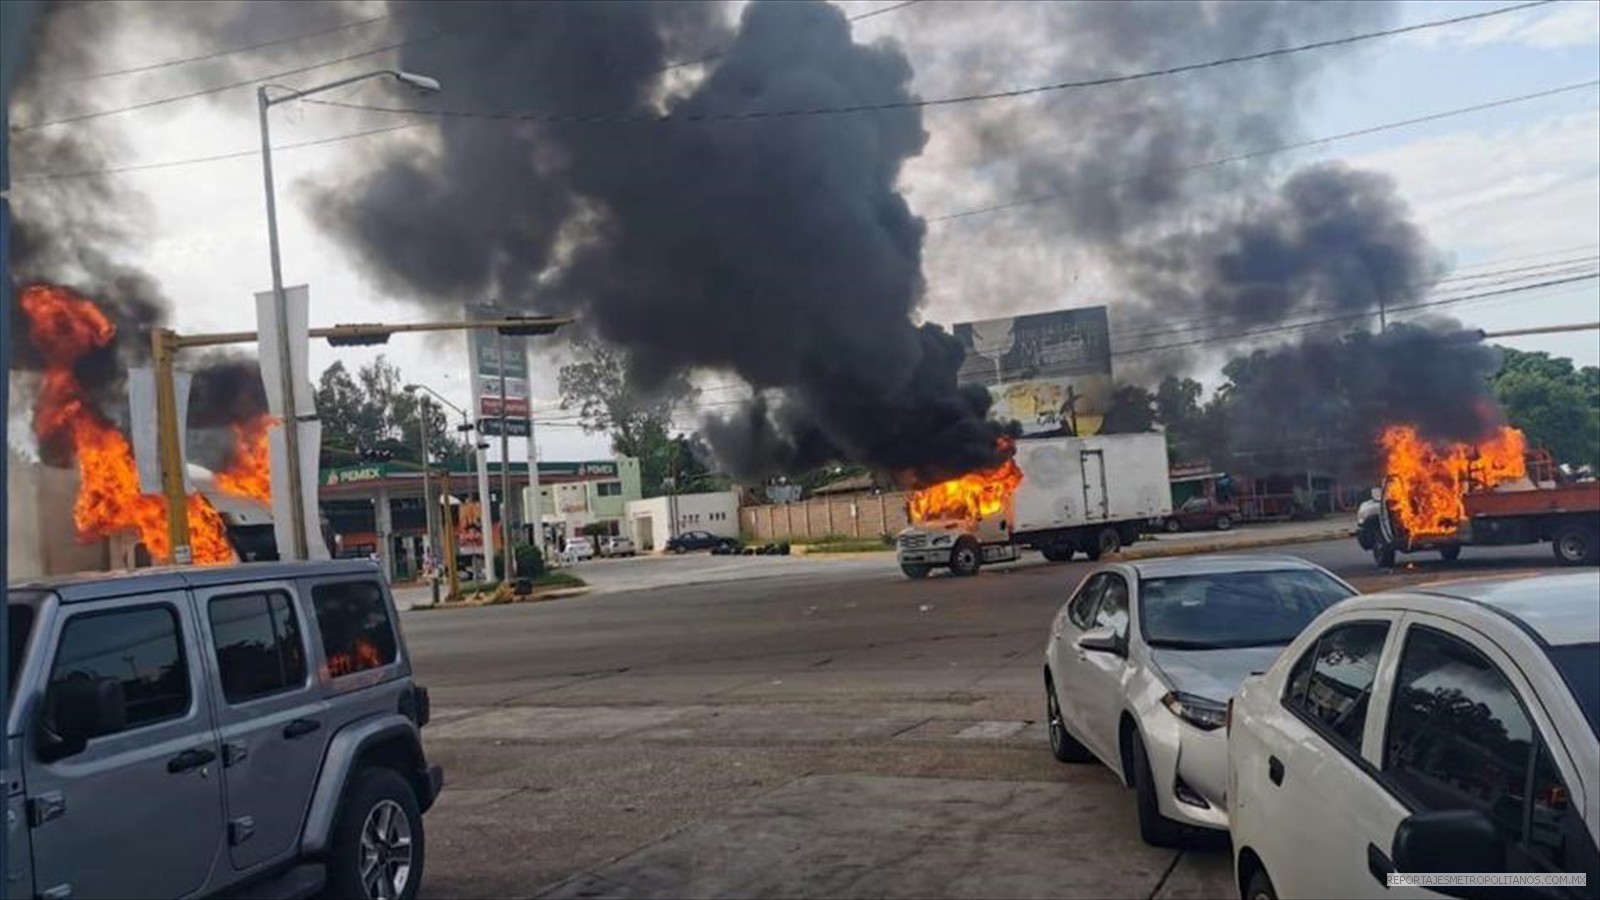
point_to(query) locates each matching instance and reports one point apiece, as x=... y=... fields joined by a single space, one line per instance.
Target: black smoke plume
x=780 y=251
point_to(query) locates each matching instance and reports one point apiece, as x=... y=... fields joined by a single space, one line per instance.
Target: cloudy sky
x=1515 y=186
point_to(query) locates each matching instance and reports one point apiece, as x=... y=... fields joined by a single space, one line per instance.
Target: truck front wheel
x=1450 y=553
x=1576 y=546
x=915 y=570
x=966 y=558
x=1058 y=552
x=1383 y=554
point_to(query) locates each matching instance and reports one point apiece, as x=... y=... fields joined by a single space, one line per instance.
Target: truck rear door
x=1095 y=504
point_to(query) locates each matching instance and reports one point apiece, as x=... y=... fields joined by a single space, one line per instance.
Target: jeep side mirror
x=1449 y=840
x=1102 y=640
x=76 y=709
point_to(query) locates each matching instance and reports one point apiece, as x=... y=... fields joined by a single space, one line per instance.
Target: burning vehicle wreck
x=1061 y=496
x=1443 y=496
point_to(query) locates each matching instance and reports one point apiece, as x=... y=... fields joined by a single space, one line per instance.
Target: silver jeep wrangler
x=250 y=730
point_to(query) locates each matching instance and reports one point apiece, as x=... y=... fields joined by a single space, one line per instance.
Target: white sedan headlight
x=1206 y=715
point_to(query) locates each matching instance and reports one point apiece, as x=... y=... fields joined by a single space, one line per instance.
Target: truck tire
x=1450 y=553
x=1057 y=552
x=1383 y=554
x=915 y=570
x=966 y=558
x=1575 y=545
x=1106 y=542
x=379 y=815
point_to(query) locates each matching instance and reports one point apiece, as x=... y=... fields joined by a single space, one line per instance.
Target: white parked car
x=616 y=546
x=1144 y=657
x=578 y=549
x=1448 y=728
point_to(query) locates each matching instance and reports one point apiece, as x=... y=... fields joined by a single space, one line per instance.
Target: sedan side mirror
x=1450 y=840
x=1102 y=640
x=80 y=707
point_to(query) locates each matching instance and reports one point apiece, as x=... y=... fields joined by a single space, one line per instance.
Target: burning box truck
x=1058 y=495
x=1442 y=497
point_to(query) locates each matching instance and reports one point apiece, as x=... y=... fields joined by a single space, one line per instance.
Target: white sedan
x=1452 y=728
x=1143 y=659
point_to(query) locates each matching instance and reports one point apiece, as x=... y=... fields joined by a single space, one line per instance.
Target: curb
x=1194 y=549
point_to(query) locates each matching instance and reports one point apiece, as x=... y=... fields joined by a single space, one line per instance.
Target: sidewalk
x=1242 y=537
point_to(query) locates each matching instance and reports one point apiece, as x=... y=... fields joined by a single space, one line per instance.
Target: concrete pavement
x=704 y=739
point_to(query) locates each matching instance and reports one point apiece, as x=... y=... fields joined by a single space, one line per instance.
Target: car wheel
x=1173 y=526
x=378 y=843
x=1450 y=554
x=915 y=570
x=1575 y=546
x=1156 y=829
x=1224 y=523
x=1105 y=543
x=1260 y=887
x=1383 y=554
x=965 y=558
x=1063 y=746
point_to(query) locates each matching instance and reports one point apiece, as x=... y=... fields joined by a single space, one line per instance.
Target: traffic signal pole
x=166 y=343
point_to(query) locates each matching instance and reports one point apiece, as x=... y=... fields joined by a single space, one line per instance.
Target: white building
x=652 y=522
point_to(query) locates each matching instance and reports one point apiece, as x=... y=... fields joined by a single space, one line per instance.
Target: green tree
x=1555 y=404
x=599 y=387
x=370 y=415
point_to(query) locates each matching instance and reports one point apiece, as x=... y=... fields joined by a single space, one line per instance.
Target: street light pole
x=506 y=572
x=280 y=308
x=280 y=321
x=427 y=479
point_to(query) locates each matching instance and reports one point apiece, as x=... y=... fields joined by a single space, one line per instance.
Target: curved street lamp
x=280 y=312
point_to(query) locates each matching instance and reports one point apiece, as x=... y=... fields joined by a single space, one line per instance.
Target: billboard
x=1049 y=371
x=489 y=370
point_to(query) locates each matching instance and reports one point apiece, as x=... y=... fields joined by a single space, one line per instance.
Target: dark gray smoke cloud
x=780 y=251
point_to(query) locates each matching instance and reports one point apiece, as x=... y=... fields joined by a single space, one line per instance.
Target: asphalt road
x=716 y=740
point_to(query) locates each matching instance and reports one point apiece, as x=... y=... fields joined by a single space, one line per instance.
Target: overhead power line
x=221 y=53
x=722 y=51
x=749 y=115
x=1264 y=151
x=1330 y=320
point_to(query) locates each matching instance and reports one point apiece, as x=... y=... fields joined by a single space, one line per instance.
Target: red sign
x=515 y=406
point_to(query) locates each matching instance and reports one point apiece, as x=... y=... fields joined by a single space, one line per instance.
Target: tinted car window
x=19 y=621
x=354 y=623
x=1113 y=611
x=1458 y=736
x=257 y=639
x=139 y=647
x=1234 y=609
x=1332 y=683
x=1081 y=609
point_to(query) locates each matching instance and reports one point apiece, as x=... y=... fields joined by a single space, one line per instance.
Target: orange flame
x=362 y=656
x=250 y=474
x=65 y=327
x=971 y=496
x=1427 y=482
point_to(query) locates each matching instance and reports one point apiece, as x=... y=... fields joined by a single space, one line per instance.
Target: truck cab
x=961 y=545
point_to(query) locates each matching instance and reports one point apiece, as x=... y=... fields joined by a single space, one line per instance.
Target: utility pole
x=163 y=346
x=506 y=569
x=427 y=479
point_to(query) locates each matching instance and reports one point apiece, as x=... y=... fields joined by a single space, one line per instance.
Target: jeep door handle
x=1275 y=769
x=190 y=759
x=299 y=728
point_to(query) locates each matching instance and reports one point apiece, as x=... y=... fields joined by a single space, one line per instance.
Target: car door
x=1311 y=784
x=1102 y=675
x=1464 y=730
x=138 y=812
x=1076 y=618
x=271 y=721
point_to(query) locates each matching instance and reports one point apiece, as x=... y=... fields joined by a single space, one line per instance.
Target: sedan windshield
x=1233 y=609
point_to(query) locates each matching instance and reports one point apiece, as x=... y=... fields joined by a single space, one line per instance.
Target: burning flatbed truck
x=1060 y=495
x=1496 y=493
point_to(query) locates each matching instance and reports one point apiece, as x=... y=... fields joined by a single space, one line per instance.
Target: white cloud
x=1568 y=24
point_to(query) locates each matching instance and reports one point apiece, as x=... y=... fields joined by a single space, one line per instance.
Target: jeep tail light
x=415 y=705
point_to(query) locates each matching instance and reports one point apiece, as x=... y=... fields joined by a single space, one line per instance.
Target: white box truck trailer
x=1080 y=494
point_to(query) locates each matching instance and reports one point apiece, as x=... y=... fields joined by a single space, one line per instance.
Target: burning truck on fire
x=1057 y=495
x=1442 y=496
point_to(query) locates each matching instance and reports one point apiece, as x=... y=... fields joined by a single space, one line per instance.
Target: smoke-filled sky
x=818 y=244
